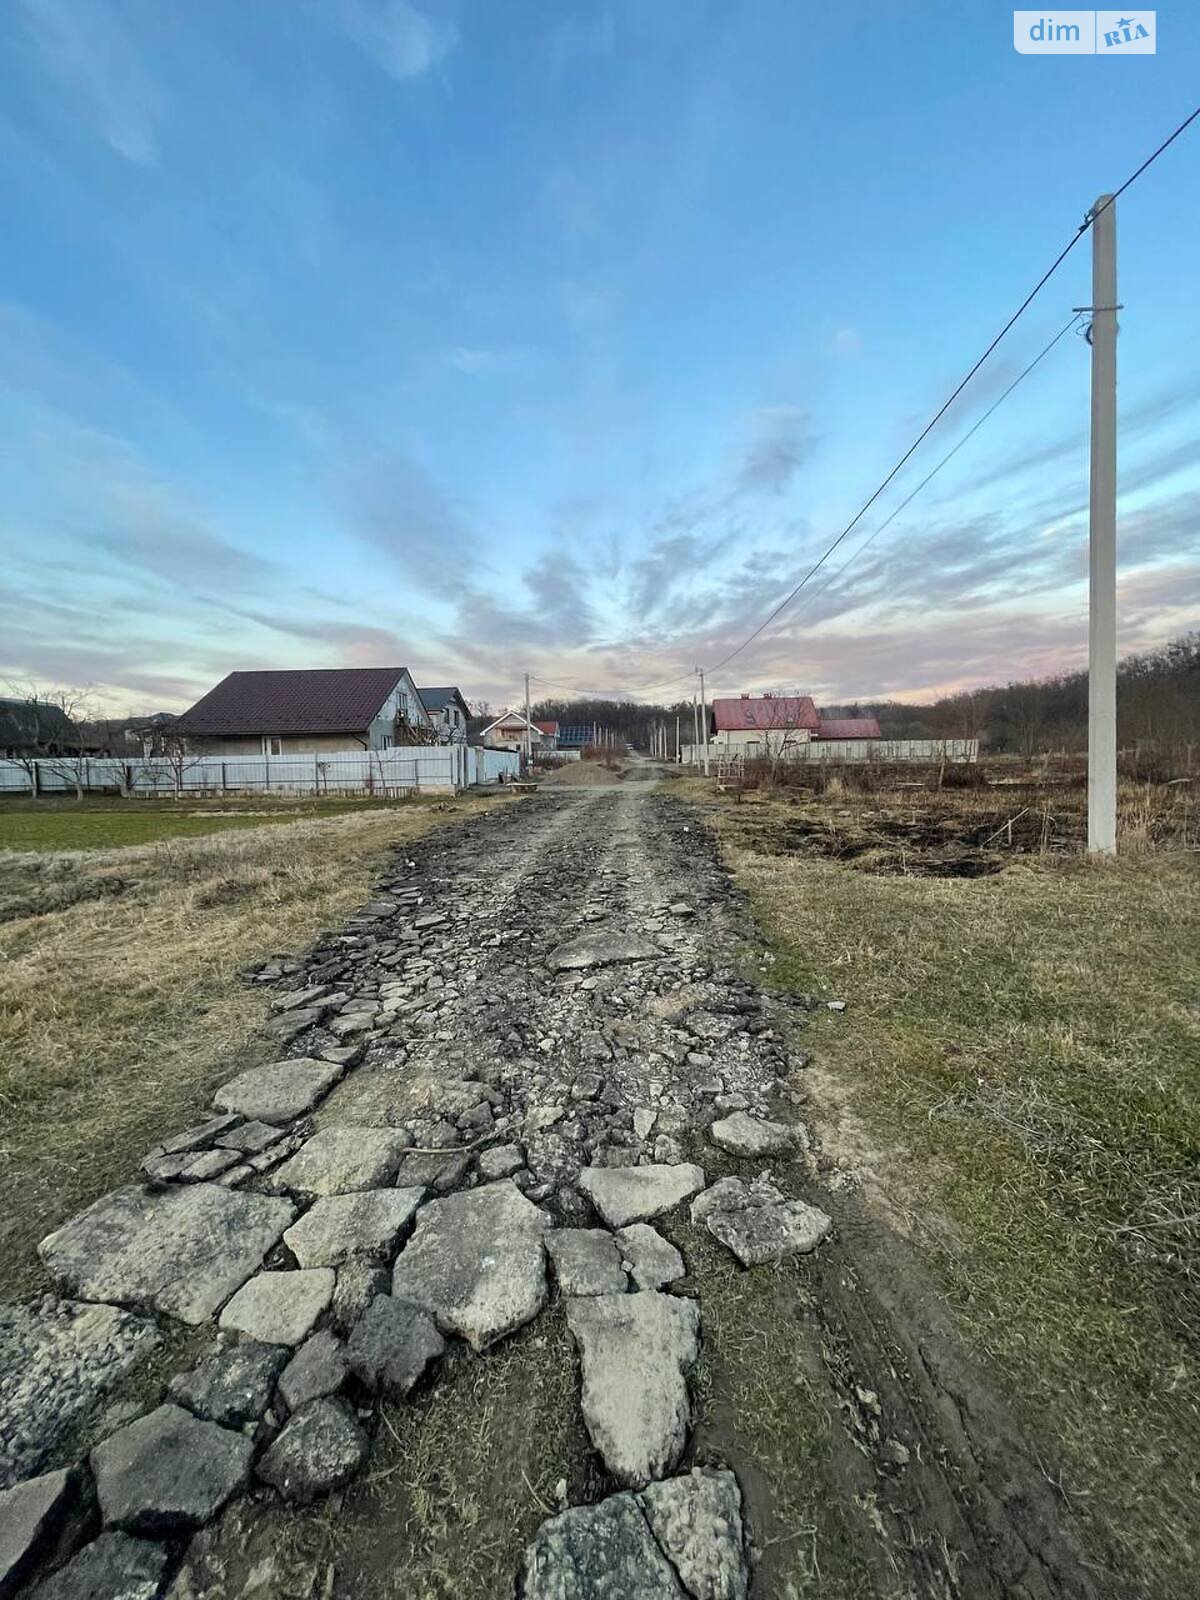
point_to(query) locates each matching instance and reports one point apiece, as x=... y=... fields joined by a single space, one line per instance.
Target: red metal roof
x=849 y=728
x=314 y=700
x=550 y=728
x=765 y=712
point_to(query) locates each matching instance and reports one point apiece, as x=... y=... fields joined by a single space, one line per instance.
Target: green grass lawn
x=102 y=823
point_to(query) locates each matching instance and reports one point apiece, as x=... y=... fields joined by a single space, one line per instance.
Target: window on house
x=385 y=742
x=272 y=746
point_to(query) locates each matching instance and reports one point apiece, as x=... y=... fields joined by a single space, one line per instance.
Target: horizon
x=366 y=331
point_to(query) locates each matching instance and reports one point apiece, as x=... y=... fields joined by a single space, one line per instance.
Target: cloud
x=405 y=42
x=88 y=48
x=781 y=442
x=847 y=341
x=478 y=362
x=400 y=510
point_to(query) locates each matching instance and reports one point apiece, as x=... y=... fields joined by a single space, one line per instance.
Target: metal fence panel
x=383 y=772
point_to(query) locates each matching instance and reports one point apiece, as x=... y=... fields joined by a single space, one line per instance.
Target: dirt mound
x=582 y=775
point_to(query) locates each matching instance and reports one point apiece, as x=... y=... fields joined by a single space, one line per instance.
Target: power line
x=950 y=454
x=941 y=412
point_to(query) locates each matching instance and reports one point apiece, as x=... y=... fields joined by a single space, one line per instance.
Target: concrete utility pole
x=528 y=727
x=678 y=747
x=695 y=727
x=1102 y=537
x=704 y=716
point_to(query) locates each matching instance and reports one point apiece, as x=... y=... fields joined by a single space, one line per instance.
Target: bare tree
x=56 y=717
x=178 y=758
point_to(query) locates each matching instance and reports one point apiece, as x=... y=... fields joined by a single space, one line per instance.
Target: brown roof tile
x=313 y=700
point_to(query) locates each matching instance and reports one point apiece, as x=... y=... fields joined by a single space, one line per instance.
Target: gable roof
x=765 y=712
x=849 y=728
x=550 y=728
x=312 y=700
x=439 y=699
x=507 y=718
x=26 y=724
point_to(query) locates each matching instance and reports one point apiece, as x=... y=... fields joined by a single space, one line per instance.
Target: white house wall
x=403 y=701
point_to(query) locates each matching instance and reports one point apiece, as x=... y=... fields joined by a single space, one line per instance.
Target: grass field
x=1016 y=1080
x=101 y=823
x=120 y=1004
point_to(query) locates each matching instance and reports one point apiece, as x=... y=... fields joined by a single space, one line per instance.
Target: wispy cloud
x=478 y=361
x=781 y=441
x=87 y=47
x=405 y=42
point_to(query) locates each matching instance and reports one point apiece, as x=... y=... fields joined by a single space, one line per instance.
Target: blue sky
x=488 y=337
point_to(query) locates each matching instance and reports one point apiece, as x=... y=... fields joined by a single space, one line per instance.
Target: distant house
x=849 y=728
x=508 y=732
x=448 y=712
x=307 y=711
x=760 y=725
x=35 y=728
x=127 y=737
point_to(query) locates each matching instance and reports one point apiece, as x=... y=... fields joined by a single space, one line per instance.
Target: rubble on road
x=757 y=1222
x=679 y=1539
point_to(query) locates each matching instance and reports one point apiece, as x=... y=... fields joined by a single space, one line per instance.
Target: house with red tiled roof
x=307 y=711
x=764 y=724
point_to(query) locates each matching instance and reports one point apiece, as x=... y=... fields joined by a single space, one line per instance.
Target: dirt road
x=510 y=1250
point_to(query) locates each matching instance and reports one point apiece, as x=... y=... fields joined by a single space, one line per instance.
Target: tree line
x=1158 y=709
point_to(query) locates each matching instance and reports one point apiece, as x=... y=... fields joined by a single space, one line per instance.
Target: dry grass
x=120 y=1005
x=462 y=1474
x=1023 y=1050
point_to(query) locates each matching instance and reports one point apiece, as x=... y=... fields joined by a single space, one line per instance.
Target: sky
x=563 y=337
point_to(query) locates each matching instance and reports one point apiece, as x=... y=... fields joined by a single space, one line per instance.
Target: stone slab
x=319 y=1450
x=743 y=1135
x=586 y=1261
x=476 y=1263
x=653 y=1261
x=342 y=1161
x=369 y=1223
x=679 y=1539
x=181 y=1251
x=696 y=1520
x=113 y=1567
x=635 y=1350
x=634 y=1194
x=600 y=1552
x=280 y=1307
x=168 y=1473
x=602 y=948
x=281 y=1092
x=318 y=1368
x=233 y=1387
x=31 y=1513
x=757 y=1222
x=392 y=1346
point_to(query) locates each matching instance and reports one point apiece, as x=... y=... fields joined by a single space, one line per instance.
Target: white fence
x=378 y=772
x=881 y=750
